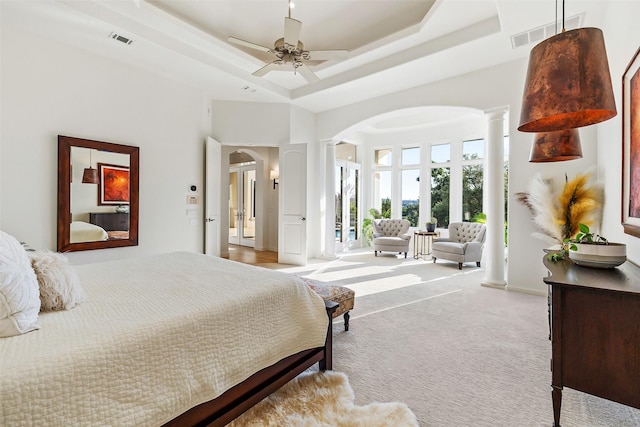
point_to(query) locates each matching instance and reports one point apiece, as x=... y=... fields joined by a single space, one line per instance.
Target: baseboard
x=526 y=291
x=494 y=285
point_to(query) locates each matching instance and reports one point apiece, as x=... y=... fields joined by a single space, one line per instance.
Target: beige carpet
x=458 y=354
x=323 y=399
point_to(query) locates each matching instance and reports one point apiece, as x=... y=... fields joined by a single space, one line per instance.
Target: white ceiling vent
x=120 y=38
x=543 y=32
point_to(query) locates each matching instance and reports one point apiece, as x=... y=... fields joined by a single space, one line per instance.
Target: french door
x=242 y=207
x=347 y=199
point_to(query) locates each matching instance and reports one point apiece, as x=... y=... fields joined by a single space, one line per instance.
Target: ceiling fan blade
x=292 y=29
x=308 y=75
x=264 y=70
x=248 y=44
x=322 y=55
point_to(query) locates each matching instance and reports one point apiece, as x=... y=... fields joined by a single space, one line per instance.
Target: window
x=441 y=153
x=411 y=156
x=440 y=189
x=440 y=183
x=411 y=196
x=383 y=157
x=353 y=182
x=472 y=178
x=347 y=202
x=382 y=193
x=338 y=204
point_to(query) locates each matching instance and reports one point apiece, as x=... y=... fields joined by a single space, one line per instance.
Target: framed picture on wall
x=113 y=187
x=631 y=147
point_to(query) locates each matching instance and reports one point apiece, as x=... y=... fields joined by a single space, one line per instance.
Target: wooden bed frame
x=235 y=401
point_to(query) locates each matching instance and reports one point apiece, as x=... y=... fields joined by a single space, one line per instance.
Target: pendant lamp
x=568 y=84
x=90 y=175
x=556 y=146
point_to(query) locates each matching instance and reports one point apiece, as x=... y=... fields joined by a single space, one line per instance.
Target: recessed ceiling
x=393 y=44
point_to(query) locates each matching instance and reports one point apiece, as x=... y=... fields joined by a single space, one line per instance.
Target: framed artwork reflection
x=113 y=188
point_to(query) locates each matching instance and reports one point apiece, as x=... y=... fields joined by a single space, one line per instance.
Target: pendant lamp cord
x=563 y=29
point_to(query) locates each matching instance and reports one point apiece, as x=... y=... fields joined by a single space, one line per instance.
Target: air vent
x=120 y=38
x=543 y=32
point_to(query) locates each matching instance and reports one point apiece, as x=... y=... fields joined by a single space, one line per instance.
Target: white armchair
x=464 y=244
x=391 y=235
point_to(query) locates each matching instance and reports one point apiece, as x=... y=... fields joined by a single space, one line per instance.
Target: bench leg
x=346 y=321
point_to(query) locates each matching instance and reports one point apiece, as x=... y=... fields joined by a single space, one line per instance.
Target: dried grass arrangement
x=557 y=216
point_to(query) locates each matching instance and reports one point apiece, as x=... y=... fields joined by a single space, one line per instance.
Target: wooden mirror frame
x=64 y=193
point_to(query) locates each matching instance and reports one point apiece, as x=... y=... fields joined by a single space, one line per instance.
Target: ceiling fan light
x=568 y=84
x=558 y=146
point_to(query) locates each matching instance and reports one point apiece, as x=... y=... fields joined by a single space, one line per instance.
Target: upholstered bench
x=341 y=295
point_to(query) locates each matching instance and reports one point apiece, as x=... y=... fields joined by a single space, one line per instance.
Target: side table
x=422 y=241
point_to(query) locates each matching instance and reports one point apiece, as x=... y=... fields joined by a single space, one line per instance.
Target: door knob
x=303 y=219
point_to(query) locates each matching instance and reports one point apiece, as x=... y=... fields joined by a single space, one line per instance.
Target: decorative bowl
x=599 y=255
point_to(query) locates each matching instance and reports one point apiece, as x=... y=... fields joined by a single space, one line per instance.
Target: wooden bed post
x=327 y=362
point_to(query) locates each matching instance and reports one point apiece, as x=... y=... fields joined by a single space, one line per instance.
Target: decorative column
x=494 y=251
x=330 y=209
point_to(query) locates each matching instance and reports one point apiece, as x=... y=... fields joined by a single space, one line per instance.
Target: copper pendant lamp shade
x=568 y=83
x=90 y=176
x=556 y=146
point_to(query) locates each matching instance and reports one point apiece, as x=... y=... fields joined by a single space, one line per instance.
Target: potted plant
x=432 y=224
x=592 y=250
x=589 y=249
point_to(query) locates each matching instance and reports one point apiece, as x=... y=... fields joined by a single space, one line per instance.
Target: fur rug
x=323 y=399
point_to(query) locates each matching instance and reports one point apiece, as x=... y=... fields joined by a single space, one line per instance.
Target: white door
x=292 y=227
x=242 y=205
x=213 y=157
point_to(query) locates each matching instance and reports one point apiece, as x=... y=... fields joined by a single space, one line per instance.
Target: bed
x=172 y=339
x=84 y=232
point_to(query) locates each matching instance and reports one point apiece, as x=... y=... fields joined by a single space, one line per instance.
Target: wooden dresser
x=110 y=221
x=595 y=331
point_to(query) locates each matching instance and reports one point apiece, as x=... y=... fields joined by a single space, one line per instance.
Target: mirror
x=97 y=194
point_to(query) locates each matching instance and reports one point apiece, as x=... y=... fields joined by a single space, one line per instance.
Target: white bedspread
x=156 y=336
x=85 y=232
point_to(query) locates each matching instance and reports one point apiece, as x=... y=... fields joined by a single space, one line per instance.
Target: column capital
x=329 y=142
x=496 y=113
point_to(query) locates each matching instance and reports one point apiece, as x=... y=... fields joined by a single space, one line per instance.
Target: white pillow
x=59 y=284
x=19 y=293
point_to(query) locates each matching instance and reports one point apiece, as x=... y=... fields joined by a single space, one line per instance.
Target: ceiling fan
x=290 y=50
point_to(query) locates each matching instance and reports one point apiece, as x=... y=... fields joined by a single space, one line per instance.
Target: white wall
x=48 y=89
x=622 y=39
x=251 y=123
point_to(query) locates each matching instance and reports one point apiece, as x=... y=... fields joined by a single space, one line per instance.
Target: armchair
x=465 y=243
x=391 y=235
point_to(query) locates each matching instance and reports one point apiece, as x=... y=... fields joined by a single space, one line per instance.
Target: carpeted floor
x=458 y=354
x=323 y=399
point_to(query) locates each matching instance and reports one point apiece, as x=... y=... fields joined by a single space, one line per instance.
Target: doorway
x=242 y=204
x=347 y=209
